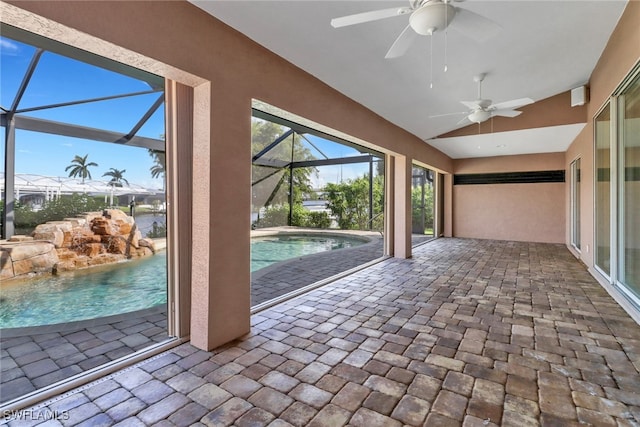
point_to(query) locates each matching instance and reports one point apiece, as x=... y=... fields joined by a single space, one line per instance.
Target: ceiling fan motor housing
x=434 y=15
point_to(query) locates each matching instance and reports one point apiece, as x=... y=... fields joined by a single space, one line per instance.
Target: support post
x=8 y=213
x=402 y=206
x=293 y=145
x=371 y=193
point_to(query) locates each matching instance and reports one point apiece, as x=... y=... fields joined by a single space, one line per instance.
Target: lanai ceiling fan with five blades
x=425 y=18
x=481 y=110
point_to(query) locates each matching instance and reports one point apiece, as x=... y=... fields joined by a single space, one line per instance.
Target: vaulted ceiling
x=542 y=49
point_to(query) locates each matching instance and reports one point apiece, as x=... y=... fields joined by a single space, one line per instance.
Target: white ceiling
x=545 y=47
x=539 y=140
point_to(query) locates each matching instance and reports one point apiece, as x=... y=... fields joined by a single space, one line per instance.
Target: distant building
x=34 y=190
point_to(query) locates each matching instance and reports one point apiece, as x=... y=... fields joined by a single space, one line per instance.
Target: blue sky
x=59 y=79
x=334 y=173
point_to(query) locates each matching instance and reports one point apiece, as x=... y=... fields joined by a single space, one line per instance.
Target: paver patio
x=467 y=332
x=36 y=357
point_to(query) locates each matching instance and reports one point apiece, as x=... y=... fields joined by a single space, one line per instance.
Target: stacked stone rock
x=93 y=238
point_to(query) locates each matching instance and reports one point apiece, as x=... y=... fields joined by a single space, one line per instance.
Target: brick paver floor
x=468 y=332
x=40 y=357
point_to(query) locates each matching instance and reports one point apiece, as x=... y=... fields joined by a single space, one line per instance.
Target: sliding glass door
x=617 y=189
x=629 y=187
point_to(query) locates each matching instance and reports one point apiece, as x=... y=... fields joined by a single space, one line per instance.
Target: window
x=80 y=134
x=423 y=204
x=317 y=206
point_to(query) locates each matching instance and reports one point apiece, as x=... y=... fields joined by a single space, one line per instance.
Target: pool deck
x=36 y=357
x=466 y=333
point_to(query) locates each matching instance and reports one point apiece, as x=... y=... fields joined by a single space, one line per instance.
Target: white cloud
x=8 y=47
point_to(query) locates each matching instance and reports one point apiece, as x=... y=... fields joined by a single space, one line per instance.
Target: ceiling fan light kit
x=479 y=116
x=434 y=15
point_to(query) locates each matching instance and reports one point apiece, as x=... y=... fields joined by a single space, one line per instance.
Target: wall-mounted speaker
x=578 y=96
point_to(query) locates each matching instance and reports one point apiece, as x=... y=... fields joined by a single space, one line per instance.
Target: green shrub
x=318 y=220
x=349 y=203
x=422 y=216
x=278 y=216
x=57 y=209
x=158 y=230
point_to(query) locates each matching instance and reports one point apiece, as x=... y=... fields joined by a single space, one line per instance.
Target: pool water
x=130 y=286
x=85 y=294
x=266 y=251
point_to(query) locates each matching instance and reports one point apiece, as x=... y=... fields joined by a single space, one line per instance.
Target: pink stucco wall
x=531 y=212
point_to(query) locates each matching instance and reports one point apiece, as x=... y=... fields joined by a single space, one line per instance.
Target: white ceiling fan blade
x=402 y=43
x=449 y=114
x=472 y=105
x=464 y=120
x=514 y=103
x=506 y=113
x=474 y=26
x=374 y=15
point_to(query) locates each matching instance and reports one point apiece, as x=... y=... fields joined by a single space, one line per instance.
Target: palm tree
x=158 y=169
x=117 y=177
x=80 y=167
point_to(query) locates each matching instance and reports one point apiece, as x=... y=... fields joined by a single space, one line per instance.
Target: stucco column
x=448 y=205
x=402 y=167
x=221 y=300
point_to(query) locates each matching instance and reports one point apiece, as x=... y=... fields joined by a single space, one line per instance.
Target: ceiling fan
x=481 y=110
x=426 y=17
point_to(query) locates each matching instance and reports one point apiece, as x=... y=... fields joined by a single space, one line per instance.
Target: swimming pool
x=133 y=285
x=85 y=294
x=269 y=250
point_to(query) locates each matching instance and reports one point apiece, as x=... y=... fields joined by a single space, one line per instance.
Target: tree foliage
x=349 y=203
x=422 y=214
x=275 y=192
x=117 y=177
x=79 y=167
x=277 y=216
x=159 y=168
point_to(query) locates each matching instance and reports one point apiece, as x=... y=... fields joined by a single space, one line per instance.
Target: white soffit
x=528 y=141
